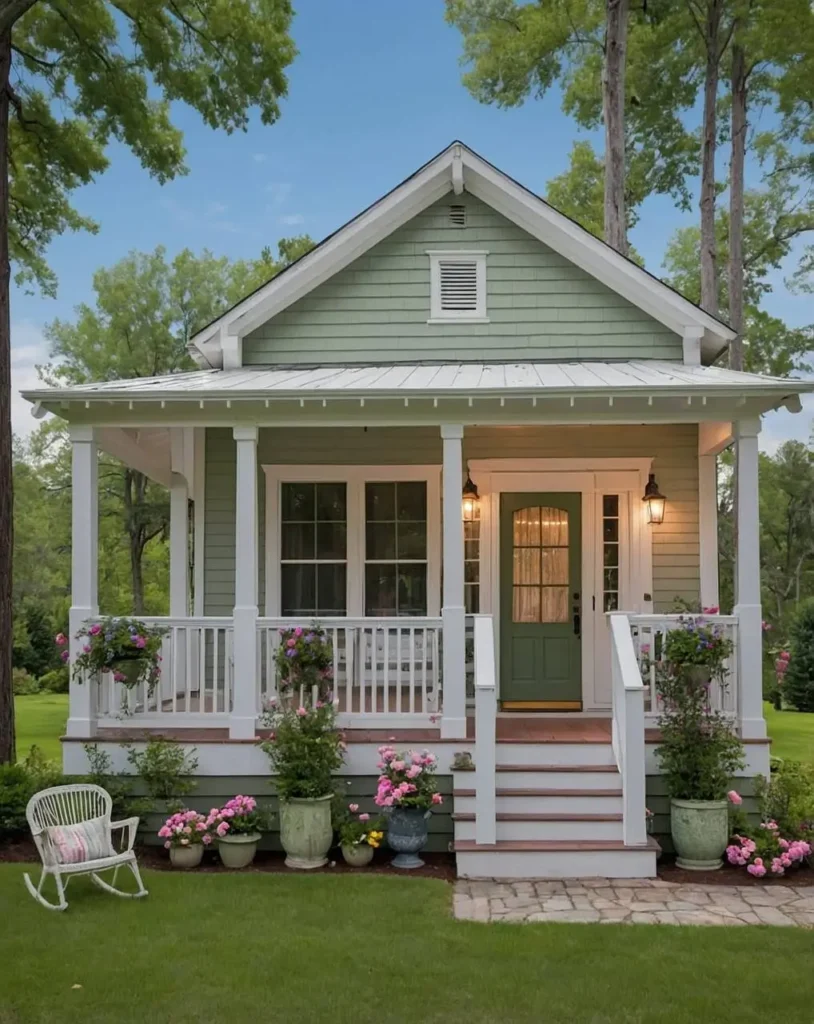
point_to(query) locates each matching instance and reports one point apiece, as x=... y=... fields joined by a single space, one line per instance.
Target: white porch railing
x=196 y=684
x=649 y=633
x=386 y=669
x=628 y=729
x=485 y=732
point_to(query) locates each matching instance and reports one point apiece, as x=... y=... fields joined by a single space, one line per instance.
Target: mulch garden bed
x=729 y=874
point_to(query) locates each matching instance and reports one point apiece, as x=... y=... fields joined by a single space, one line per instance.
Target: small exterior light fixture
x=655 y=501
x=470 y=500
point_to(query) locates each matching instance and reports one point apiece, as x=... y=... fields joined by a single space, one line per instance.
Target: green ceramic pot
x=358 y=856
x=186 y=856
x=700 y=831
x=238 y=851
x=130 y=668
x=306 y=832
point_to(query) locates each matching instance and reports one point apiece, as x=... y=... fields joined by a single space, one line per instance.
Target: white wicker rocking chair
x=75 y=805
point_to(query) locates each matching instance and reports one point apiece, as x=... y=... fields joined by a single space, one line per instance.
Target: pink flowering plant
x=304 y=746
x=185 y=828
x=305 y=659
x=111 y=644
x=407 y=779
x=698 y=642
x=238 y=817
x=357 y=828
x=767 y=851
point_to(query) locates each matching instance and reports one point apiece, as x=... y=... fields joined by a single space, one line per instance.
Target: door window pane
x=396 y=548
x=610 y=552
x=313 y=549
x=540 y=565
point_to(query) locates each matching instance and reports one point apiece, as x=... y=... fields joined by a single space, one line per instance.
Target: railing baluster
x=411 y=655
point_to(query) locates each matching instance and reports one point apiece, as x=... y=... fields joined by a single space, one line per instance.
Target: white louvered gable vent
x=457 y=286
x=457 y=216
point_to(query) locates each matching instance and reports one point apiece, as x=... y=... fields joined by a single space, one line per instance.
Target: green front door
x=540 y=590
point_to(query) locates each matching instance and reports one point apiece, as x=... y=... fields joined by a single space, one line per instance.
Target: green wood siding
x=674 y=448
x=659 y=803
x=540 y=305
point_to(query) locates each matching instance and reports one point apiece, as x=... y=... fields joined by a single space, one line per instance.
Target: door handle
x=576 y=623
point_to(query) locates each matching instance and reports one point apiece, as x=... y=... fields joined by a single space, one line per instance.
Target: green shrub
x=117 y=784
x=165 y=767
x=798 y=683
x=23 y=683
x=56 y=681
x=788 y=797
x=18 y=783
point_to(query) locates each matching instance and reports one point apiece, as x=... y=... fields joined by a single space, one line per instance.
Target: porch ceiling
x=500 y=391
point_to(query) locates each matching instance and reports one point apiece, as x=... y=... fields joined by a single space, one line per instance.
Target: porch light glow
x=655 y=501
x=470 y=499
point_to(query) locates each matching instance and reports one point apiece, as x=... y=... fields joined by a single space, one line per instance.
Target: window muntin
x=313 y=548
x=395 y=548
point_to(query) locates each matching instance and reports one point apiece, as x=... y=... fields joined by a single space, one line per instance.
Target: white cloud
x=259 y=158
x=28 y=347
x=291 y=218
x=279 y=191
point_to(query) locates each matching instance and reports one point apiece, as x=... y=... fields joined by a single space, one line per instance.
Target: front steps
x=559 y=815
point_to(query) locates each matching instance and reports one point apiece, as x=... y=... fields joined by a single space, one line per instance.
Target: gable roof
x=455 y=169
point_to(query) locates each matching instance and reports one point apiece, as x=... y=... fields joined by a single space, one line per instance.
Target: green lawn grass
x=40 y=719
x=371 y=949
x=792 y=733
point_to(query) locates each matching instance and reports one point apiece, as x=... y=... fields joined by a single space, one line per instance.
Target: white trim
x=244 y=697
x=591 y=478
x=199 y=519
x=355 y=477
x=453 y=723
x=713 y=438
x=439 y=315
x=708 y=529
x=691 y=345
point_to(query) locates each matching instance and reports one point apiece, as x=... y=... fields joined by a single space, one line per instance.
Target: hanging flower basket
x=128 y=648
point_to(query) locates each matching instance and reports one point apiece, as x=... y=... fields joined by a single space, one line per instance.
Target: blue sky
x=373 y=94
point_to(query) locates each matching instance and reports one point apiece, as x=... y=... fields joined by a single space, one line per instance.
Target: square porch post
x=747 y=581
x=84 y=572
x=244 y=698
x=453 y=721
x=179 y=528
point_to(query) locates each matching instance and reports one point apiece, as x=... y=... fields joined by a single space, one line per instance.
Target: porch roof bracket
x=457 y=170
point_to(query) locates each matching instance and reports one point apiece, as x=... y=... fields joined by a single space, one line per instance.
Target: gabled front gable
x=458 y=171
x=538 y=304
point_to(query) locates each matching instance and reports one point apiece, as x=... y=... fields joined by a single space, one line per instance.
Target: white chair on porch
x=73 y=834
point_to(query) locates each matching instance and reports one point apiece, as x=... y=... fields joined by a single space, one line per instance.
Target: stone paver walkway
x=633 y=901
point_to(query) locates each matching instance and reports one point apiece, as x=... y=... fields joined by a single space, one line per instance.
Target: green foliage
x=304 y=658
x=23 y=684
x=18 y=783
x=166 y=770
x=356 y=828
x=788 y=797
x=111 y=642
x=117 y=784
x=798 y=684
x=56 y=681
x=697 y=643
x=304 y=749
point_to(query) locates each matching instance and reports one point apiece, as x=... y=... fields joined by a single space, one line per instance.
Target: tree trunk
x=736 y=166
x=7 y=744
x=709 y=256
x=613 y=104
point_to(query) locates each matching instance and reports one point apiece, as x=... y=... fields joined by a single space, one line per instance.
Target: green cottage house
x=478 y=446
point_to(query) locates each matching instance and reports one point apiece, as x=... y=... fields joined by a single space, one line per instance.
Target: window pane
x=526 y=604
x=298 y=502
x=380 y=502
x=610 y=505
x=611 y=601
x=380 y=590
x=331 y=540
x=610 y=529
x=412 y=540
x=471 y=572
x=555 y=565
x=381 y=541
x=297 y=540
x=412 y=595
x=298 y=589
x=526 y=526
x=611 y=579
x=472 y=599
x=472 y=549
x=526 y=565
x=331 y=589
x=331 y=502
x=411 y=501
x=472 y=530
x=611 y=554
x=554 y=526
x=555 y=604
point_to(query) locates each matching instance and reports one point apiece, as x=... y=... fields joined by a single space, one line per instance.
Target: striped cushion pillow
x=74 y=844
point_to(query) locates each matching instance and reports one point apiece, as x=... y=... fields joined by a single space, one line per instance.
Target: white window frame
x=355 y=478
x=446 y=316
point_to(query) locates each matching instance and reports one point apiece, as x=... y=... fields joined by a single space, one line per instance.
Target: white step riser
x=551 y=780
x=546 y=804
x=564 y=831
x=554 y=753
x=559 y=864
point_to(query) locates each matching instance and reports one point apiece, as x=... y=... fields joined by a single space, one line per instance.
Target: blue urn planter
x=407 y=835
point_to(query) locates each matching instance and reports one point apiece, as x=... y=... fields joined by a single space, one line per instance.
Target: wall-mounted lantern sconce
x=469 y=500
x=655 y=501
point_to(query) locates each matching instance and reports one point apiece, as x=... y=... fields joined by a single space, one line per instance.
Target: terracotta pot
x=186 y=856
x=700 y=831
x=238 y=851
x=306 y=832
x=358 y=856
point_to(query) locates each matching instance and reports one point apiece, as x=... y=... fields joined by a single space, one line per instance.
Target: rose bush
x=407 y=780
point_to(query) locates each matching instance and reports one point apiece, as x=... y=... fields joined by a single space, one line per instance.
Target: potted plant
x=186 y=834
x=128 y=648
x=238 y=826
x=358 y=836
x=407 y=791
x=699 y=751
x=304 y=661
x=304 y=748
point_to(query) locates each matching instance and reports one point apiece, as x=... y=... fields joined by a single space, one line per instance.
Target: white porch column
x=179 y=547
x=453 y=722
x=747 y=581
x=708 y=528
x=244 y=700
x=84 y=571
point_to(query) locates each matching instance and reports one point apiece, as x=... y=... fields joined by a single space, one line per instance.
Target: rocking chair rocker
x=63 y=811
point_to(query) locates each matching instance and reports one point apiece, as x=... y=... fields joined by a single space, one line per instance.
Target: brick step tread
x=608 y=768
x=551 y=846
x=543 y=792
x=555 y=816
